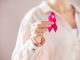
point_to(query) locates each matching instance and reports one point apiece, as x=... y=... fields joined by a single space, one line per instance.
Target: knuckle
x=38 y=25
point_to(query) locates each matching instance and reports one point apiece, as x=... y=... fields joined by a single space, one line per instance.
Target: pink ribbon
x=52 y=18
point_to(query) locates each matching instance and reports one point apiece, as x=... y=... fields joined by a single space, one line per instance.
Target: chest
x=70 y=19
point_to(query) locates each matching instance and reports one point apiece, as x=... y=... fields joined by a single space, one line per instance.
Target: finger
x=37 y=39
x=45 y=24
x=42 y=41
x=39 y=31
x=42 y=24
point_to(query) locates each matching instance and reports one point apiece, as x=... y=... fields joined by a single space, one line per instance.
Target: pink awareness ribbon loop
x=52 y=18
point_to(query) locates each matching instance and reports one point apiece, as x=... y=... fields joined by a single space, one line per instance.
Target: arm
x=25 y=52
x=24 y=44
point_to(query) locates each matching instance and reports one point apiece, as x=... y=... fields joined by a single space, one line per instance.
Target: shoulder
x=32 y=15
x=33 y=12
x=28 y=17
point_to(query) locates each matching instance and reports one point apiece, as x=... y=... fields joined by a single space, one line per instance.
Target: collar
x=76 y=8
x=44 y=6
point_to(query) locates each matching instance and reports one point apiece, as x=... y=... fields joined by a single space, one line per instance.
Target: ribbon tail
x=55 y=27
x=49 y=28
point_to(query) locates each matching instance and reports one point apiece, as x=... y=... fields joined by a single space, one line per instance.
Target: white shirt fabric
x=75 y=32
x=62 y=45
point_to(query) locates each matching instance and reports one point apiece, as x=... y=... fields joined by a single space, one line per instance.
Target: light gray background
x=11 y=14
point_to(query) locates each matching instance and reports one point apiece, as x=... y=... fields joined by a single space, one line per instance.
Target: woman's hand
x=37 y=31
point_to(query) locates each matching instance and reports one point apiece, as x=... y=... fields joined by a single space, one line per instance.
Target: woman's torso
x=62 y=45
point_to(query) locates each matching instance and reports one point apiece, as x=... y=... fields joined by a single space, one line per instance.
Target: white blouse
x=75 y=32
x=62 y=45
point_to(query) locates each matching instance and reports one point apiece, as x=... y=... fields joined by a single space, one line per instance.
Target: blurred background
x=11 y=14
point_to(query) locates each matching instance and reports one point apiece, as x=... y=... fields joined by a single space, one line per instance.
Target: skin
x=66 y=11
